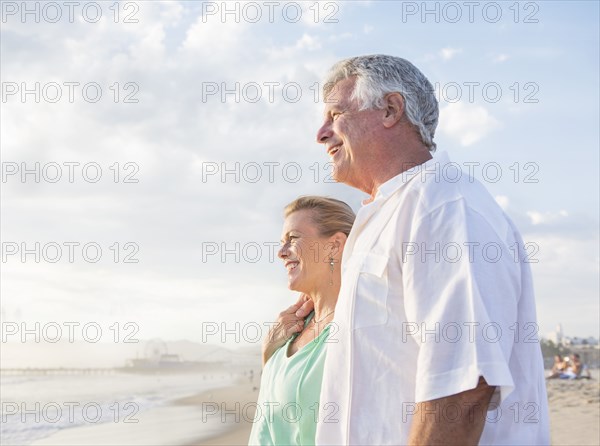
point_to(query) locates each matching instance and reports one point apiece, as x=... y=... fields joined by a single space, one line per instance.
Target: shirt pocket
x=370 y=307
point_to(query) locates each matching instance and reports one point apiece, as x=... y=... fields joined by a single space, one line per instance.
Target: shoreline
x=181 y=420
x=229 y=402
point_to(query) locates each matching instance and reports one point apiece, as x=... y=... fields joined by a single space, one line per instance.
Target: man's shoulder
x=433 y=191
x=458 y=198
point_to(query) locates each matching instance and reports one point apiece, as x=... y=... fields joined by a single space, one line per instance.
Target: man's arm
x=452 y=420
x=290 y=321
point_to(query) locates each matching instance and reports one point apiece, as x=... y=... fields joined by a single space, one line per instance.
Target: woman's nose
x=282 y=253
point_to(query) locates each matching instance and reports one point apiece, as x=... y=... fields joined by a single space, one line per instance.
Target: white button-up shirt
x=436 y=291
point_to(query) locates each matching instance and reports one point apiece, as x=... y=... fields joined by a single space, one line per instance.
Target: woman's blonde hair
x=329 y=215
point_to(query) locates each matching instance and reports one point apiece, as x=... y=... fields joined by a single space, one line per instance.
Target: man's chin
x=339 y=174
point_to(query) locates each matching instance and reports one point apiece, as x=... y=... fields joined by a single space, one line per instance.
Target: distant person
x=575 y=368
x=559 y=366
x=313 y=239
x=585 y=370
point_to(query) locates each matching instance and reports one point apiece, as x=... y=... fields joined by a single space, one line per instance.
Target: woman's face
x=305 y=254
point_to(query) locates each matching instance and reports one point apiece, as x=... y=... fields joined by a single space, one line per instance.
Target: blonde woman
x=313 y=238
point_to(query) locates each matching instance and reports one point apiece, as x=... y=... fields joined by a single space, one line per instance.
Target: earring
x=331 y=267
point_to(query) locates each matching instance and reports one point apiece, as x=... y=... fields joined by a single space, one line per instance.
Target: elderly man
x=437 y=340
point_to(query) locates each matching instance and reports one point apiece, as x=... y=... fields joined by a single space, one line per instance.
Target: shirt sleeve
x=462 y=286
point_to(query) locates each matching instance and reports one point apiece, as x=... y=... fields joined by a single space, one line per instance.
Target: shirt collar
x=395 y=183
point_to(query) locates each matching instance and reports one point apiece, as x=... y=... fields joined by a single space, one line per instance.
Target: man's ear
x=394 y=109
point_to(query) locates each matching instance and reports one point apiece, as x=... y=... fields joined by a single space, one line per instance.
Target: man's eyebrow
x=334 y=108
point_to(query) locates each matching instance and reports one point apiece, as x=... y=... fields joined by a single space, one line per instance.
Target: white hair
x=378 y=75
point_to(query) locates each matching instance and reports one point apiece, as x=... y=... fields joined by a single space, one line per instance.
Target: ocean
x=116 y=408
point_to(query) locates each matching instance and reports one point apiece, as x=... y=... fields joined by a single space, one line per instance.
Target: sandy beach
x=574 y=411
x=237 y=401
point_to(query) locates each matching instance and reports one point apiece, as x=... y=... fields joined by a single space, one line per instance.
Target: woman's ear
x=394 y=109
x=338 y=241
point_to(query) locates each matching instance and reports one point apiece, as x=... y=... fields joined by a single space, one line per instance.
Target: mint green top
x=288 y=404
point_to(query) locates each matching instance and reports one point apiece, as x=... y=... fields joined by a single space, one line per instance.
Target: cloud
x=565 y=270
x=542 y=218
x=317 y=14
x=308 y=42
x=466 y=123
x=230 y=34
x=500 y=58
x=449 y=53
x=502 y=200
x=340 y=37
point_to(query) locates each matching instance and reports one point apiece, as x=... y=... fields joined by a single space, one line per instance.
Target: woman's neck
x=325 y=300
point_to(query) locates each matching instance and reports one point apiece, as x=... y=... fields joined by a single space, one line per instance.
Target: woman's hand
x=290 y=321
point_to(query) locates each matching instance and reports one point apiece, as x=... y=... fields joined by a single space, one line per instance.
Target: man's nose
x=324 y=133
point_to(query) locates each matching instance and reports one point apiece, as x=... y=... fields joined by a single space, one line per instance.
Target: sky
x=148 y=149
